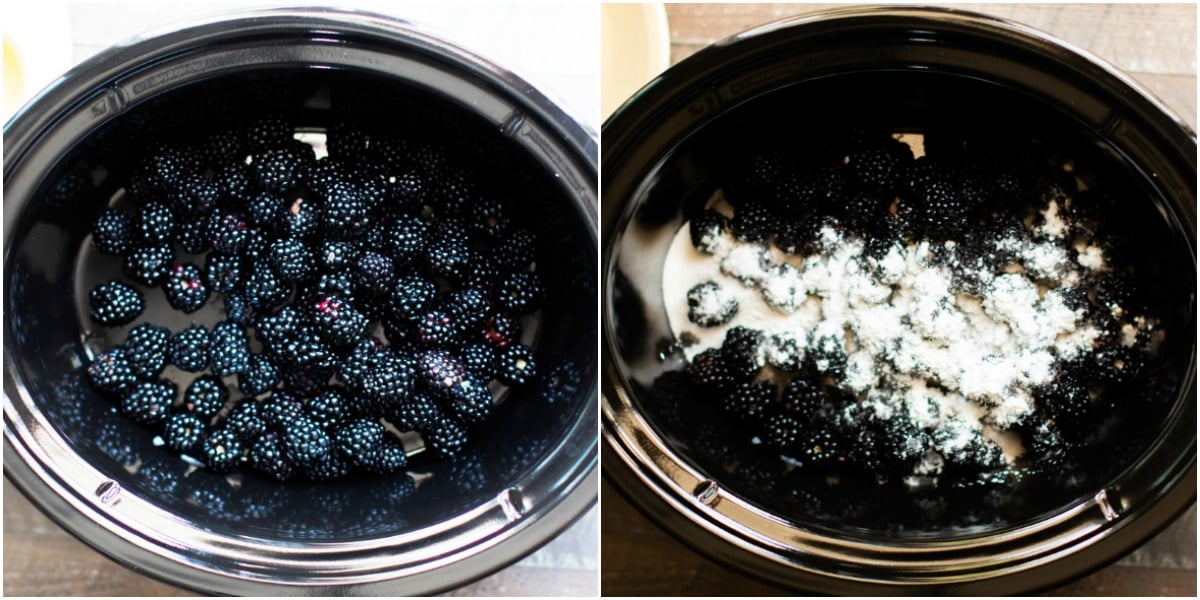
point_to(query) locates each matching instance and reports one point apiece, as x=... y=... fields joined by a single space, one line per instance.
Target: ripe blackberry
x=827 y=354
x=192 y=234
x=195 y=196
x=331 y=408
x=188 y=349
x=468 y=306
x=517 y=365
x=445 y=437
x=337 y=321
x=146 y=349
x=1120 y=365
x=149 y=401
x=388 y=457
x=111 y=372
x=277 y=171
x=708 y=370
x=437 y=328
x=501 y=330
x=260 y=377
x=390 y=381
x=411 y=296
x=185 y=289
x=267 y=455
x=300 y=218
x=520 y=293
x=227 y=231
x=358 y=438
x=479 y=359
x=222 y=272
x=268 y=132
x=281 y=407
x=228 y=350
x=147 y=265
x=233 y=181
x=489 y=219
x=244 y=419
x=782 y=431
x=336 y=256
x=448 y=255
x=359 y=361
x=115 y=303
x=222 y=449
x=743 y=352
x=183 y=432
x=347 y=143
x=261 y=288
x=331 y=466
x=440 y=370
x=166 y=166
x=112 y=231
x=514 y=252
x=374 y=273
x=304 y=442
x=238 y=310
x=820 y=444
x=710 y=306
x=560 y=382
x=802 y=398
x=345 y=213
x=416 y=412
x=264 y=210
x=406 y=239
x=752 y=222
x=290 y=258
x=706 y=228
x=879 y=169
x=205 y=396
x=749 y=401
x=784 y=352
x=469 y=400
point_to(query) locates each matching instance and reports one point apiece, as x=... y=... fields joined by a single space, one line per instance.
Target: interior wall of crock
x=53 y=266
x=827 y=117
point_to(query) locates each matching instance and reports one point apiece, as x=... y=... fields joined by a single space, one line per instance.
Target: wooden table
x=1156 y=44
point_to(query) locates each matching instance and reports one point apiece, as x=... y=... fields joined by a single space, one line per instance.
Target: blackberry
x=469 y=399
x=227 y=231
x=334 y=284
x=280 y=408
x=267 y=132
x=706 y=228
x=331 y=408
x=183 y=432
x=752 y=223
x=784 y=352
x=1120 y=365
x=264 y=210
x=388 y=457
x=300 y=218
x=149 y=402
x=489 y=220
x=267 y=455
x=445 y=437
x=374 y=273
x=411 y=296
x=469 y=307
x=802 y=398
x=304 y=442
x=517 y=365
x=710 y=306
x=749 y=401
x=167 y=166
x=742 y=351
x=261 y=288
x=347 y=143
x=146 y=349
x=390 y=381
x=827 y=354
x=205 y=396
x=111 y=372
x=244 y=419
x=228 y=352
x=819 y=445
x=440 y=370
x=782 y=431
x=222 y=272
x=344 y=213
x=147 y=265
x=111 y=232
x=188 y=349
x=406 y=239
x=115 y=303
x=520 y=293
x=437 y=328
x=223 y=147
x=560 y=382
x=234 y=182
x=192 y=234
x=331 y=466
x=708 y=370
x=337 y=321
x=417 y=412
x=879 y=169
x=290 y=258
x=260 y=377
x=359 y=361
x=238 y=310
x=185 y=289
x=277 y=171
x=222 y=449
x=357 y=439
x=195 y=196
x=479 y=359
x=336 y=256
x=448 y=255
x=514 y=252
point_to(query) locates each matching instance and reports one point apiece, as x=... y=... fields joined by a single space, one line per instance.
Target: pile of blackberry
x=373 y=291
x=778 y=425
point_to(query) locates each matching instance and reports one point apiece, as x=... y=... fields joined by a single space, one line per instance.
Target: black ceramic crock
x=914 y=69
x=103 y=479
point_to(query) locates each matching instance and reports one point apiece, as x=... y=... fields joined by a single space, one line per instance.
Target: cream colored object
x=635 y=48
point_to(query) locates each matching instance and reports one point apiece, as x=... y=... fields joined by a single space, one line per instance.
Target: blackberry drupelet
x=115 y=303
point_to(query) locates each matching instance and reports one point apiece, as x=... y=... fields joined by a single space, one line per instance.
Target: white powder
x=961 y=367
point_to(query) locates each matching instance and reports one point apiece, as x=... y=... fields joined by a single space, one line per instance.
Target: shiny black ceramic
x=528 y=475
x=912 y=70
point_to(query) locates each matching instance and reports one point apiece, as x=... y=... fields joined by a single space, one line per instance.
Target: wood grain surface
x=1153 y=43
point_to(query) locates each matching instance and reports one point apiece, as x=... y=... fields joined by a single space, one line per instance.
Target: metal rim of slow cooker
x=728 y=528
x=438 y=557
